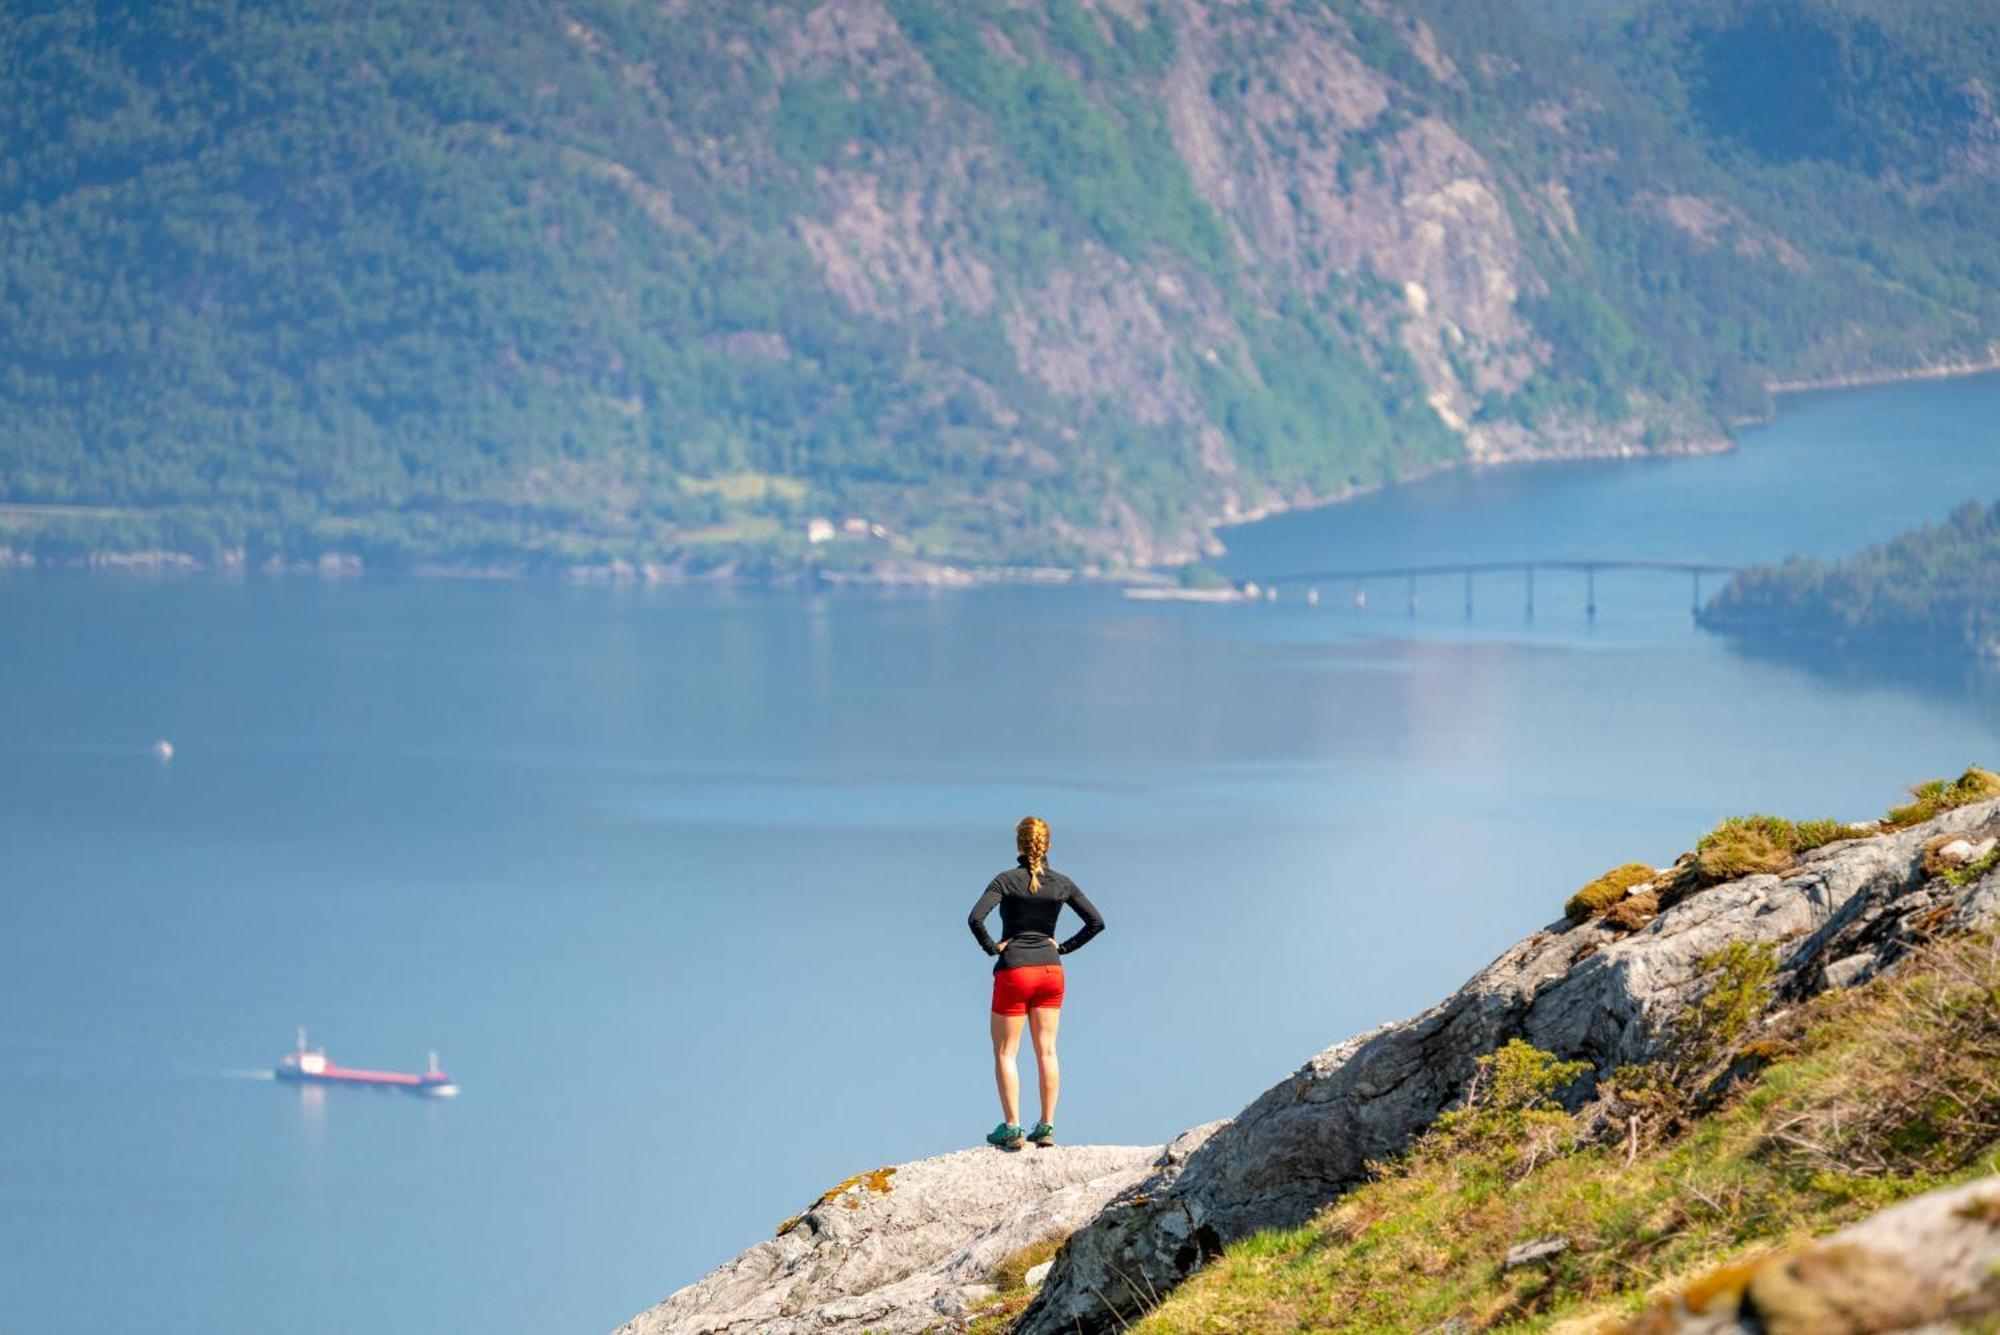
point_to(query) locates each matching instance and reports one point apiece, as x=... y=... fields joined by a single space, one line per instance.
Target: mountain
x=503 y=285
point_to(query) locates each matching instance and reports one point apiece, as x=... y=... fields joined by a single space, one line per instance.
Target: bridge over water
x=1468 y=570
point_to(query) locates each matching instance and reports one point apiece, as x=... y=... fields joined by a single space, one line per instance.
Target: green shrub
x=1701 y=1047
x=1941 y=795
x=1510 y=1105
x=1606 y=890
x=1741 y=976
x=1520 y=1077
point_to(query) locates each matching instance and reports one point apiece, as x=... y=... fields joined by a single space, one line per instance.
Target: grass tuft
x=1010 y=1279
x=1012 y=1273
x=1941 y=795
x=1744 y=846
x=1748 y=845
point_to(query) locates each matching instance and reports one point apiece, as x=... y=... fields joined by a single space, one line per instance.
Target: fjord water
x=676 y=879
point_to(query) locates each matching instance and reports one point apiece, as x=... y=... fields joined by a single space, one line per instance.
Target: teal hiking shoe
x=1043 y=1136
x=1006 y=1135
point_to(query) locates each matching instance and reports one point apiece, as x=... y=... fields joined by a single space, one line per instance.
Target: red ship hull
x=309 y=1066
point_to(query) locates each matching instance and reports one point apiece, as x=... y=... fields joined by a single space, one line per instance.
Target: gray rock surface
x=1586 y=991
x=903 y=1249
x=1534 y=1253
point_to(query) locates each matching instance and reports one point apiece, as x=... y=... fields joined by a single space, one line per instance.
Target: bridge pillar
x=1413 y=595
x=1531 y=592
x=1590 y=591
x=1695 y=607
x=1468 y=595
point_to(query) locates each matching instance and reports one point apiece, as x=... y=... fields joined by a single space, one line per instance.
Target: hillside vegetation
x=1863 y=1099
x=1934 y=589
x=512 y=285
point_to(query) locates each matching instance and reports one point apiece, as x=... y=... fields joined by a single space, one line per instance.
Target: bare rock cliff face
x=1329 y=190
x=912 y=1249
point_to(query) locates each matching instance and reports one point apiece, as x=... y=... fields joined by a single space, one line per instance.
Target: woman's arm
x=1093 y=921
x=977 y=920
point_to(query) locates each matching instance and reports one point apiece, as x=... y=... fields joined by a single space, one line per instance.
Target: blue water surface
x=675 y=879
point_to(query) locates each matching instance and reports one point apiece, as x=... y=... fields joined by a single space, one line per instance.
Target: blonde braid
x=1031 y=837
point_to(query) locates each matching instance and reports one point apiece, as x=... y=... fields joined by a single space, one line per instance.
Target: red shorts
x=1030 y=987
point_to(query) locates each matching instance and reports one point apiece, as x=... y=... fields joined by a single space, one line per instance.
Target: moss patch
x=1606 y=890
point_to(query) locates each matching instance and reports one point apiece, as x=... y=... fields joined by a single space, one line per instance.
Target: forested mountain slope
x=514 y=285
x=1930 y=590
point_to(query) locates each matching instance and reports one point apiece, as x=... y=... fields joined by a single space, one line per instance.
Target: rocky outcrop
x=907 y=1248
x=915 y=1248
x=1585 y=991
x=1928 y=1264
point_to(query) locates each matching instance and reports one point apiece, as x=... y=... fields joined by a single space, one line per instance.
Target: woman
x=1028 y=980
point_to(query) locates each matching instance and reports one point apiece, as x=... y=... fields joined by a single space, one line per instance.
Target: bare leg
x=1042 y=1023
x=1006 y=1043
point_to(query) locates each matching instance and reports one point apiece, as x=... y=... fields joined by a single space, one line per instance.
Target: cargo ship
x=309 y=1066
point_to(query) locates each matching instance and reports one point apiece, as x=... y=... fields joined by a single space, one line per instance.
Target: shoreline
x=906 y=573
x=1684 y=449
x=1771 y=636
x=1872 y=379
x=914 y=573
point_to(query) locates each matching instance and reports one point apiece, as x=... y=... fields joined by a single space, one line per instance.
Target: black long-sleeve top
x=1028 y=921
